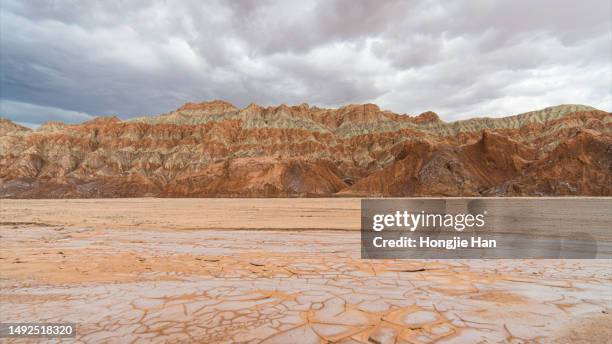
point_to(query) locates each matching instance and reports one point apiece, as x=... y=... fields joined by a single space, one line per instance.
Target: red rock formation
x=215 y=106
x=214 y=149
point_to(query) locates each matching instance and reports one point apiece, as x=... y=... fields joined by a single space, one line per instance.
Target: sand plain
x=273 y=271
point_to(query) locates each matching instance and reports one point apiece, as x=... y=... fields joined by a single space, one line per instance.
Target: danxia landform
x=214 y=149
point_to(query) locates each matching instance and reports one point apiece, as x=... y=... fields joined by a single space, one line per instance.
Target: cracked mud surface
x=167 y=285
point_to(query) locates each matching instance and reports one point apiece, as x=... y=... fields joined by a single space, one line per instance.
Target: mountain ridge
x=214 y=149
x=188 y=114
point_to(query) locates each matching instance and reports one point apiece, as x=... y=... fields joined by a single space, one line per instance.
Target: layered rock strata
x=215 y=149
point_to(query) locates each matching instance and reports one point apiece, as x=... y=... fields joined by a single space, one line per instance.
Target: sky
x=71 y=60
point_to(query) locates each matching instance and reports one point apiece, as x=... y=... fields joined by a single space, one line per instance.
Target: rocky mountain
x=215 y=149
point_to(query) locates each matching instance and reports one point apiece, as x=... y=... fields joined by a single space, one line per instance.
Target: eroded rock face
x=214 y=149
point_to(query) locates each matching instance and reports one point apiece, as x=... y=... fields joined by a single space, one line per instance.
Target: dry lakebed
x=272 y=271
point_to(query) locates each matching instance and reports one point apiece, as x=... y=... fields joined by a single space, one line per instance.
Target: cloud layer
x=67 y=60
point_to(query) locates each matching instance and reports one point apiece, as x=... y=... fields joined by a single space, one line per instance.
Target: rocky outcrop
x=214 y=149
x=7 y=127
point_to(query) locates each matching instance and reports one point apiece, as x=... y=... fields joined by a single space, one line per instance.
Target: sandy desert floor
x=273 y=271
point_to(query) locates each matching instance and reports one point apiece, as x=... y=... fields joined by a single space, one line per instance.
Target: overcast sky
x=69 y=60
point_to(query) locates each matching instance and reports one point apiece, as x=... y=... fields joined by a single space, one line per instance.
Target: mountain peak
x=8 y=126
x=362 y=108
x=103 y=120
x=214 y=106
x=427 y=117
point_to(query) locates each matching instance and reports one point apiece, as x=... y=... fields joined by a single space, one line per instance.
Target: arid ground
x=273 y=271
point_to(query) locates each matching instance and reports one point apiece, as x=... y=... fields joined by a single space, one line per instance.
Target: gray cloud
x=31 y=114
x=67 y=60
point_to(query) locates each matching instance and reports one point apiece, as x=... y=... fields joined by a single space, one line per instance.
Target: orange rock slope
x=214 y=149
